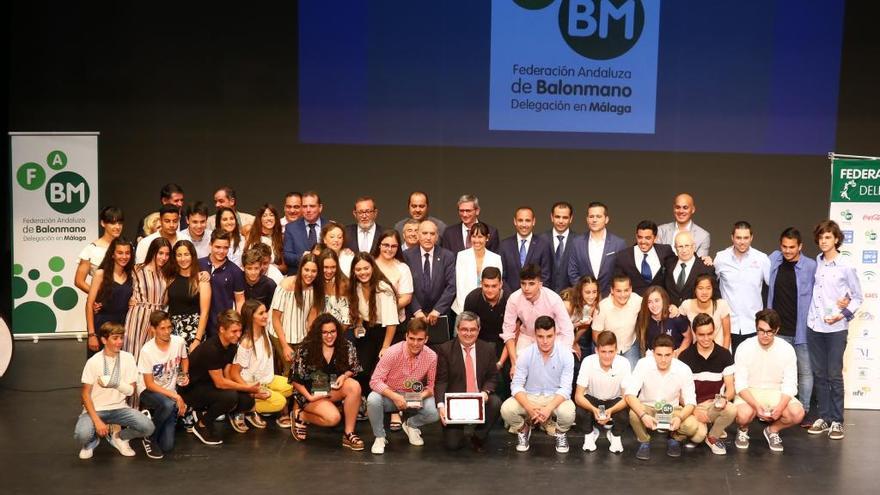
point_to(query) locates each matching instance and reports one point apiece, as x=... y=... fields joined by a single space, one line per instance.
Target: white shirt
x=520 y=239
x=466 y=276
x=94 y=254
x=430 y=259
x=386 y=305
x=365 y=238
x=688 y=266
x=203 y=245
x=106 y=399
x=161 y=364
x=621 y=321
x=256 y=362
x=741 y=281
x=595 y=248
x=674 y=386
x=772 y=369
x=601 y=384
x=556 y=240
x=140 y=254
x=653 y=260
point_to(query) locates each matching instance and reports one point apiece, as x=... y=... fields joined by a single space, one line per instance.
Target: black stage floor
x=39 y=403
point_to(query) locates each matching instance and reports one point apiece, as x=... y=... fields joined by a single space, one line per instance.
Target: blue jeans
x=632 y=355
x=805 y=371
x=826 y=357
x=164 y=411
x=378 y=405
x=134 y=425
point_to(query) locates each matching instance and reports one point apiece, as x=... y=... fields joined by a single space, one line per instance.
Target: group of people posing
x=198 y=322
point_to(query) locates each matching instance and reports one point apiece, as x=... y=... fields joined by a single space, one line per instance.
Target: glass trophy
x=664 y=415
x=413 y=393
x=603 y=415
x=320 y=384
x=182 y=378
x=333 y=382
x=359 y=331
x=719 y=401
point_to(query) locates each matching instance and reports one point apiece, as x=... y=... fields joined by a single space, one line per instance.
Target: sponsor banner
x=54 y=214
x=574 y=65
x=855 y=206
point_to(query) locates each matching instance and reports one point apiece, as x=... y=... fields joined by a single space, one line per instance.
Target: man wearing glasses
x=457 y=237
x=766 y=382
x=361 y=236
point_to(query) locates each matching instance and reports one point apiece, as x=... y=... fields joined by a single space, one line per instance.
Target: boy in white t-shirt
x=163 y=364
x=108 y=378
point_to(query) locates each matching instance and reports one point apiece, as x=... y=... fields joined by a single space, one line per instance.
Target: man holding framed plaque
x=466 y=381
x=404 y=381
x=599 y=393
x=658 y=385
x=766 y=382
x=541 y=388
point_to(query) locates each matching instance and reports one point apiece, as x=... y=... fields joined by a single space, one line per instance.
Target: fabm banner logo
x=66 y=192
x=597 y=29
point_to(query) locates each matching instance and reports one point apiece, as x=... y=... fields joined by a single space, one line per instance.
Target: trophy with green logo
x=413 y=393
x=320 y=383
x=664 y=415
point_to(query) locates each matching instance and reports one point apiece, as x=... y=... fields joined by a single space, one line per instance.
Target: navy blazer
x=579 y=261
x=538 y=253
x=296 y=242
x=676 y=296
x=559 y=277
x=453 y=241
x=351 y=237
x=440 y=295
x=626 y=265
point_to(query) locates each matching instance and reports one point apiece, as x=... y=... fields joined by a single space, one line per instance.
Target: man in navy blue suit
x=433 y=272
x=457 y=237
x=594 y=253
x=300 y=236
x=645 y=262
x=524 y=248
x=559 y=239
x=363 y=235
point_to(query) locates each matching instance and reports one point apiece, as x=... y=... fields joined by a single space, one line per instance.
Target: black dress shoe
x=478 y=445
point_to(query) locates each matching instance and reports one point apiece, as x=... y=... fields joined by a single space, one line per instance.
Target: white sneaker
x=590 y=440
x=616 y=446
x=121 y=445
x=89 y=449
x=379 y=444
x=414 y=434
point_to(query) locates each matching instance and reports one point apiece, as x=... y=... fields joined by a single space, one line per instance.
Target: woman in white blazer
x=470 y=264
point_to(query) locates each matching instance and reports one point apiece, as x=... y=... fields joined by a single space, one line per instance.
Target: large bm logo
x=597 y=29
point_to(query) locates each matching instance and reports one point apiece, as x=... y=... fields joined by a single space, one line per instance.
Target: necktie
x=427 y=269
x=313 y=237
x=467 y=239
x=646 y=269
x=679 y=282
x=471 y=379
x=522 y=253
x=365 y=244
x=559 y=248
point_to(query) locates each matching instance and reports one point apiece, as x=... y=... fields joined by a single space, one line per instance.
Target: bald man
x=683 y=210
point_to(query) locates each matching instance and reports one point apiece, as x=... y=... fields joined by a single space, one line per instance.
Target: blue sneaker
x=644 y=452
x=673 y=448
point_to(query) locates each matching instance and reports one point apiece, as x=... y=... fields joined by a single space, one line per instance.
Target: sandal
x=283 y=421
x=298 y=429
x=255 y=420
x=352 y=441
x=395 y=425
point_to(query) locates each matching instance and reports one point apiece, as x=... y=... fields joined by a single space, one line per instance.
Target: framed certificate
x=465 y=409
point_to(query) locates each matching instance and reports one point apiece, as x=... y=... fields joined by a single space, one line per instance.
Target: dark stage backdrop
x=205 y=96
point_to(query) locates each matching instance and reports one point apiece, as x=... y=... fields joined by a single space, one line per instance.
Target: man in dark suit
x=300 y=236
x=363 y=235
x=594 y=253
x=457 y=237
x=467 y=364
x=645 y=262
x=433 y=271
x=682 y=271
x=559 y=240
x=524 y=248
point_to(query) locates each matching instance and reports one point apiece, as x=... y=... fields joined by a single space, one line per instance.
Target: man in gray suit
x=559 y=239
x=683 y=209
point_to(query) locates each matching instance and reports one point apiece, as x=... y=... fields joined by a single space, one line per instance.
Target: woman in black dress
x=109 y=291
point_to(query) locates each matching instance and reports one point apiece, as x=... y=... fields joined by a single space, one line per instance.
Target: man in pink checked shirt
x=527 y=304
x=404 y=381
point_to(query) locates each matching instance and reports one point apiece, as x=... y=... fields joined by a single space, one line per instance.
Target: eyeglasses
x=331 y=332
x=388 y=246
x=362 y=213
x=767 y=332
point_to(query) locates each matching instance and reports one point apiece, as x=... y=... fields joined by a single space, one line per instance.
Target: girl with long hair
x=226 y=220
x=189 y=295
x=109 y=292
x=654 y=319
